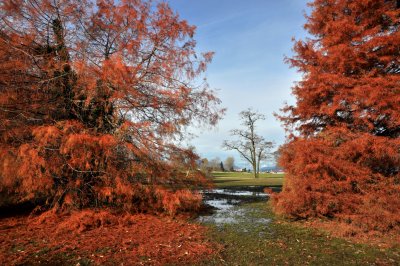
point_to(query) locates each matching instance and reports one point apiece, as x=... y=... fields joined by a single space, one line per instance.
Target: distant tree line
x=216 y=164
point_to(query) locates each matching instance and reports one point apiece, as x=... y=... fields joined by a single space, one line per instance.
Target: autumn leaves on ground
x=95 y=96
x=99 y=237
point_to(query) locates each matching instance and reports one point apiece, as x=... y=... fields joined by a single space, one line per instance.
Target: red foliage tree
x=93 y=98
x=343 y=156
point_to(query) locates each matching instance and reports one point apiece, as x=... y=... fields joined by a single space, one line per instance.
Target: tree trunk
x=258 y=164
x=255 y=170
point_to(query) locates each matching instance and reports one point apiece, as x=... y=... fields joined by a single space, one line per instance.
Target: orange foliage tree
x=343 y=154
x=94 y=97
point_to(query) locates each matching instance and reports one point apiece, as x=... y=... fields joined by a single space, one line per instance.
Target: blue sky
x=250 y=39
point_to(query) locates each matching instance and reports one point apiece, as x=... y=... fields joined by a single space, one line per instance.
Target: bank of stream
x=242 y=222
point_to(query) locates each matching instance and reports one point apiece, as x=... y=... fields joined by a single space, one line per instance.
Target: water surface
x=226 y=205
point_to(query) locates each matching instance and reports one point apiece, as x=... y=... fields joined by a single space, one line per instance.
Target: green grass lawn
x=231 y=179
x=283 y=243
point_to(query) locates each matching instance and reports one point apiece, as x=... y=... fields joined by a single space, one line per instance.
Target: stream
x=224 y=205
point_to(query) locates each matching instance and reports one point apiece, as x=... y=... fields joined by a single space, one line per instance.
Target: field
x=232 y=179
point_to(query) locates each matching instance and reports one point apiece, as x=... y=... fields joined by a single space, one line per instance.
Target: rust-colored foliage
x=343 y=156
x=102 y=237
x=93 y=98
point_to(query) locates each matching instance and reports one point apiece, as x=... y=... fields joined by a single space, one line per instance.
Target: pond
x=225 y=205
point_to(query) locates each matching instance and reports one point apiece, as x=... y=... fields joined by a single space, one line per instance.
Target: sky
x=250 y=40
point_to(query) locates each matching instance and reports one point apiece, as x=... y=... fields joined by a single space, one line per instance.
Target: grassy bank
x=282 y=243
x=248 y=241
x=232 y=179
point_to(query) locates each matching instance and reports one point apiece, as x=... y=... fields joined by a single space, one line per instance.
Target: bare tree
x=229 y=163
x=215 y=164
x=204 y=165
x=276 y=154
x=251 y=146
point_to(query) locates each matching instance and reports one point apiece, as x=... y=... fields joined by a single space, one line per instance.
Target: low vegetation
x=280 y=242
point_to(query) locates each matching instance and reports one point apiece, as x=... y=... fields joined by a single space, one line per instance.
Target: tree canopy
x=93 y=96
x=343 y=155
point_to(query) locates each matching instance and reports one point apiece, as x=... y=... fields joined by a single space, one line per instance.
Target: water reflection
x=236 y=192
x=226 y=205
